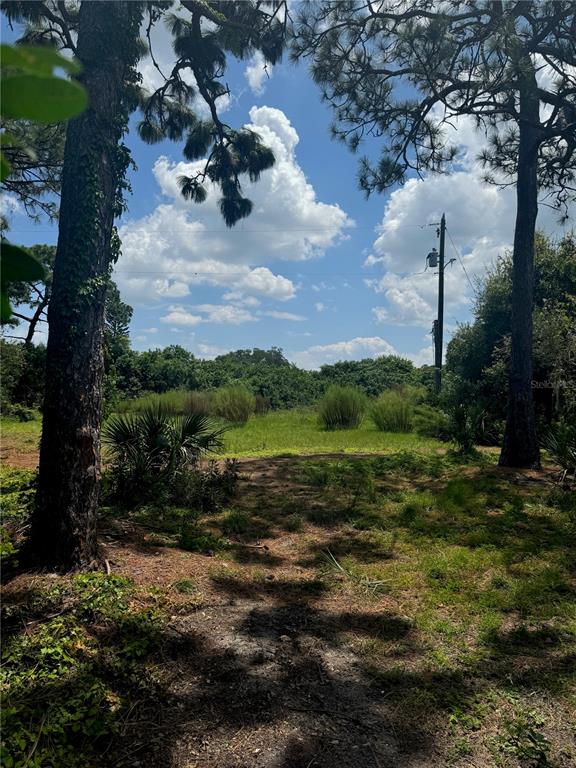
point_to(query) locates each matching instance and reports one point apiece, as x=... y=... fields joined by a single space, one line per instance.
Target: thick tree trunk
x=63 y=531
x=520 y=447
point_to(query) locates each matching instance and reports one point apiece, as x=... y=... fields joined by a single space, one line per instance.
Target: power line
x=457 y=252
x=179 y=272
x=223 y=231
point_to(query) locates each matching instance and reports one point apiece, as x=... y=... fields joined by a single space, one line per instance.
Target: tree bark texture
x=63 y=530
x=520 y=447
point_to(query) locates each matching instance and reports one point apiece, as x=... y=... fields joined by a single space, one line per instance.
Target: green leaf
x=5 y=308
x=44 y=99
x=5 y=167
x=39 y=60
x=18 y=265
x=9 y=140
x=198 y=141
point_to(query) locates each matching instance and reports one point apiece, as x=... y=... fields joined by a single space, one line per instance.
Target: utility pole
x=439 y=325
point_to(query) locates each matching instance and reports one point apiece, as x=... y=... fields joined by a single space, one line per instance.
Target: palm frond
x=149 y=447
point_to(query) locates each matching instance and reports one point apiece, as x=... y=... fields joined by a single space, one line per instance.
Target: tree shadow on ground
x=295 y=590
x=259 y=685
x=284 y=693
x=360 y=545
x=255 y=556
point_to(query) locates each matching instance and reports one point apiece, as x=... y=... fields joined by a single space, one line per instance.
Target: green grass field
x=298 y=433
x=275 y=434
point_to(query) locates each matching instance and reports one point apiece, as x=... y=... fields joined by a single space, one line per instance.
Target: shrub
x=17 y=489
x=20 y=412
x=236 y=522
x=342 y=408
x=149 y=449
x=234 y=403
x=392 y=412
x=431 y=422
x=294 y=523
x=176 y=401
x=206 y=490
x=173 y=401
x=198 y=402
x=193 y=539
x=464 y=424
x=560 y=442
x=262 y=405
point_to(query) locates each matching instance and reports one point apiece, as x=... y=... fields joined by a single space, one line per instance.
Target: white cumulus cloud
x=210 y=351
x=282 y=315
x=227 y=314
x=480 y=221
x=180 y=316
x=354 y=349
x=181 y=244
x=222 y=314
x=257 y=72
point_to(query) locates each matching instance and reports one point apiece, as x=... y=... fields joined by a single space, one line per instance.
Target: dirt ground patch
x=18 y=451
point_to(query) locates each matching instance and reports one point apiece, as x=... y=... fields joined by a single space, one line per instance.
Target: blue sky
x=316 y=269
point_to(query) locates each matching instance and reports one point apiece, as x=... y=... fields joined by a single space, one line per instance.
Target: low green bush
x=17 y=490
x=235 y=522
x=19 y=412
x=464 y=424
x=234 y=403
x=342 y=408
x=194 y=539
x=151 y=449
x=431 y=422
x=206 y=490
x=392 y=412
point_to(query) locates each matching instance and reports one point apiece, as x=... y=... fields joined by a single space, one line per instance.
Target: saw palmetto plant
x=149 y=448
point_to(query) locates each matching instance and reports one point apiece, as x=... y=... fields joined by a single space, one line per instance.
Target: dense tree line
x=476 y=365
x=265 y=372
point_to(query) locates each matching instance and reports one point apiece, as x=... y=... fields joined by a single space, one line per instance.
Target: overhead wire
x=225 y=230
x=457 y=252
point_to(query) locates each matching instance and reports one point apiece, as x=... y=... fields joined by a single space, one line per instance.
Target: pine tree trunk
x=520 y=447
x=63 y=530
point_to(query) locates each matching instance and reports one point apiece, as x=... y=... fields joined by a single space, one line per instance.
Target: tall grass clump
x=198 y=402
x=175 y=401
x=234 y=403
x=262 y=405
x=431 y=422
x=392 y=411
x=342 y=408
